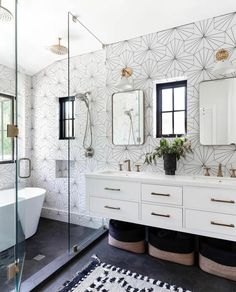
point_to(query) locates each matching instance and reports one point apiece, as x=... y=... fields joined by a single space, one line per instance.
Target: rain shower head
x=5 y=14
x=59 y=49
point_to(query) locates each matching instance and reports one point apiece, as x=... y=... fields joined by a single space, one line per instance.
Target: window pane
x=7 y=147
x=68 y=109
x=6 y=143
x=179 y=120
x=1 y=126
x=1 y=154
x=7 y=113
x=166 y=123
x=68 y=128
x=179 y=98
x=167 y=100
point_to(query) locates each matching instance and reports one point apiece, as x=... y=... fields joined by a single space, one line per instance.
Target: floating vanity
x=194 y=204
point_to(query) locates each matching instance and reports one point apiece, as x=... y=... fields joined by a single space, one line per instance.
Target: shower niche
x=128 y=118
x=62 y=169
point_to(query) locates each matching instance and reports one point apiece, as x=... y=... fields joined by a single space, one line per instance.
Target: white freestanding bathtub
x=29 y=210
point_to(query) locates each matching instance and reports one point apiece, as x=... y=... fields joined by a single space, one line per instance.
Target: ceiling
x=41 y=22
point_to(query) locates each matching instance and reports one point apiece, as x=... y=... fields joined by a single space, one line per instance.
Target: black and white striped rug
x=101 y=277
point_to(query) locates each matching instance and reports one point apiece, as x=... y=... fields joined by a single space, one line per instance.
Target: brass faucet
x=206 y=171
x=219 y=172
x=120 y=166
x=232 y=172
x=138 y=167
x=128 y=161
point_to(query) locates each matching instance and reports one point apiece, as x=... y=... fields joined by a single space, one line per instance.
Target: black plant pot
x=170 y=164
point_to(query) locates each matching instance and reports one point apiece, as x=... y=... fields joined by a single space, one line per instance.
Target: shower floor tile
x=51 y=241
x=46 y=245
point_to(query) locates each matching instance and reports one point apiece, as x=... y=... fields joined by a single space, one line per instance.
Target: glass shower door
x=11 y=202
x=86 y=78
x=17 y=132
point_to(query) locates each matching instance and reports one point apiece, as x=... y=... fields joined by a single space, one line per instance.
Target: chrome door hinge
x=12 y=131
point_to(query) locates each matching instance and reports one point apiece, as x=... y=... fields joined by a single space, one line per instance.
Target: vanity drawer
x=161 y=216
x=210 y=199
x=212 y=222
x=114 y=209
x=113 y=189
x=162 y=194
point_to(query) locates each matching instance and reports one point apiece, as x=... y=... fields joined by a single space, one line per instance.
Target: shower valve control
x=89 y=152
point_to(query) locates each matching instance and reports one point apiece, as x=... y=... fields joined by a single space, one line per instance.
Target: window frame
x=12 y=98
x=62 y=119
x=159 y=111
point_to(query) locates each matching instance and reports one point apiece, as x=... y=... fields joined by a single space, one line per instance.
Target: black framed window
x=66 y=118
x=171 y=106
x=6 y=118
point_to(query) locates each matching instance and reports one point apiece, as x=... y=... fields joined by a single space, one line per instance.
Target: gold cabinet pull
x=111 y=189
x=222 y=224
x=160 y=215
x=223 y=201
x=158 y=194
x=113 y=208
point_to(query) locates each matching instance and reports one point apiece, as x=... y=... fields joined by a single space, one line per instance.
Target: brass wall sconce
x=126 y=82
x=223 y=65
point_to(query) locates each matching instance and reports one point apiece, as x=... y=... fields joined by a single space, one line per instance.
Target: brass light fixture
x=126 y=72
x=59 y=49
x=125 y=82
x=223 y=65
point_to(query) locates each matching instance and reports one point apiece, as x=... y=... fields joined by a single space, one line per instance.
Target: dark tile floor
x=51 y=241
x=186 y=277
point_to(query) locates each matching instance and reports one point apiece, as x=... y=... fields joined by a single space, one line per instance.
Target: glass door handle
x=19 y=168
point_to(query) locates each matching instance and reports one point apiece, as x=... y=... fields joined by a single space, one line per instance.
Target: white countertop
x=177 y=180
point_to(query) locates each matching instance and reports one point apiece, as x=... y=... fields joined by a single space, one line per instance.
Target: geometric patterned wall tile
x=187 y=50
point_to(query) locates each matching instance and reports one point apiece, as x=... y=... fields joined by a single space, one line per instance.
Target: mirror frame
x=112 y=114
x=204 y=81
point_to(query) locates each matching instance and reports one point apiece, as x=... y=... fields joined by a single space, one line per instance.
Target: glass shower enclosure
x=37 y=167
x=12 y=201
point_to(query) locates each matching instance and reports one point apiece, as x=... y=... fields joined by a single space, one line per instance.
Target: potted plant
x=171 y=151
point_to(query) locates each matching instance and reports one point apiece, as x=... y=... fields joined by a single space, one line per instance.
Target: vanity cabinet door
x=210 y=199
x=162 y=194
x=161 y=216
x=211 y=222
x=114 y=209
x=113 y=189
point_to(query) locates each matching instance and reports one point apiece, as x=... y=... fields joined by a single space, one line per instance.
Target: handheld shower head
x=89 y=151
x=128 y=112
x=83 y=97
x=5 y=14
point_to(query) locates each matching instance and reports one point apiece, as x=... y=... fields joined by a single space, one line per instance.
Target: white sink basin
x=122 y=173
x=214 y=179
x=167 y=179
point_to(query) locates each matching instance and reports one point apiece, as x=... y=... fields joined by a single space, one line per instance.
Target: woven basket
x=186 y=259
x=218 y=257
x=127 y=236
x=171 y=246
